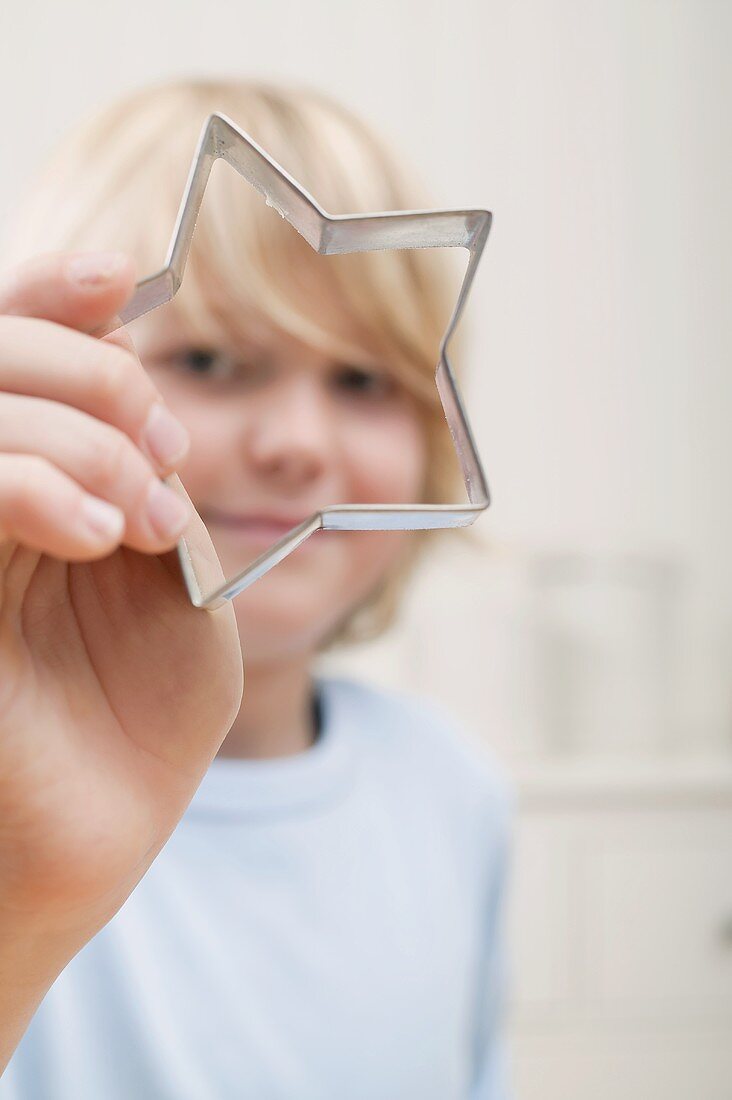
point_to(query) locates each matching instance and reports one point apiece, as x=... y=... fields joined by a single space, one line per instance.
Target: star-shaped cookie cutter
x=329 y=235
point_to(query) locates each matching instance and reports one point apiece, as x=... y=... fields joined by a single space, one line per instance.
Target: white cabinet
x=620 y=927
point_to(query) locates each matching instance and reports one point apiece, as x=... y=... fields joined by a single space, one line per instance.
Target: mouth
x=263 y=527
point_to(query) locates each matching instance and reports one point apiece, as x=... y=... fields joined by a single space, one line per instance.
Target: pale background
x=600 y=389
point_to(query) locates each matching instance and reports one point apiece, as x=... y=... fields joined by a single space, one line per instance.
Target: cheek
x=385 y=461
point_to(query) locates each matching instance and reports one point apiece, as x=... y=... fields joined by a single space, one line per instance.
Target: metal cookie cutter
x=328 y=234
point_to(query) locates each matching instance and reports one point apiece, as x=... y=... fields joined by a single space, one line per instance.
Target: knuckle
x=27 y=488
x=109 y=458
x=120 y=378
x=11 y=327
x=112 y=376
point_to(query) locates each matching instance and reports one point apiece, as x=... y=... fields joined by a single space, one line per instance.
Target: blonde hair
x=116 y=182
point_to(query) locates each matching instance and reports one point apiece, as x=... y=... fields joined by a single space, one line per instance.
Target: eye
x=363 y=382
x=206 y=363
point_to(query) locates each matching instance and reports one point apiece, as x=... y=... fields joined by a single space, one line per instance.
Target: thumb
x=81 y=290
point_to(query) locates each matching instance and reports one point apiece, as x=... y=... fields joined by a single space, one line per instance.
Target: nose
x=289 y=437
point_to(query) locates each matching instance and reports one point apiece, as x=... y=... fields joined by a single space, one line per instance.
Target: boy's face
x=278 y=431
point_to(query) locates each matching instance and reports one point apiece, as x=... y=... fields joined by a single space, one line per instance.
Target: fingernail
x=95 y=268
x=103 y=518
x=167 y=512
x=164 y=436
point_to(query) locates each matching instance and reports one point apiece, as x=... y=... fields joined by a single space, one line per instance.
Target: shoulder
x=408 y=735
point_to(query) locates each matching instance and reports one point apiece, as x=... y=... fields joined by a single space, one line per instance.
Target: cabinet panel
x=660 y=921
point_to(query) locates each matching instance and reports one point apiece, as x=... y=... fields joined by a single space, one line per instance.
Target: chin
x=294 y=607
x=274 y=625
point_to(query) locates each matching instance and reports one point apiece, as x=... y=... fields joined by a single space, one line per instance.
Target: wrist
x=29 y=965
x=33 y=952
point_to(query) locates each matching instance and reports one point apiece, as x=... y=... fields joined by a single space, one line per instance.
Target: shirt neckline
x=280 y=786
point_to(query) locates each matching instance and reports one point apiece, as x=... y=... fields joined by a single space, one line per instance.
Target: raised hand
x=115 y=692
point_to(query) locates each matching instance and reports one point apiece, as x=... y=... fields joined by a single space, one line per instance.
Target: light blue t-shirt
x=323 y=926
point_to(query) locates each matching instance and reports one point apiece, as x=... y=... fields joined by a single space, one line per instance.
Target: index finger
x=82 y=290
